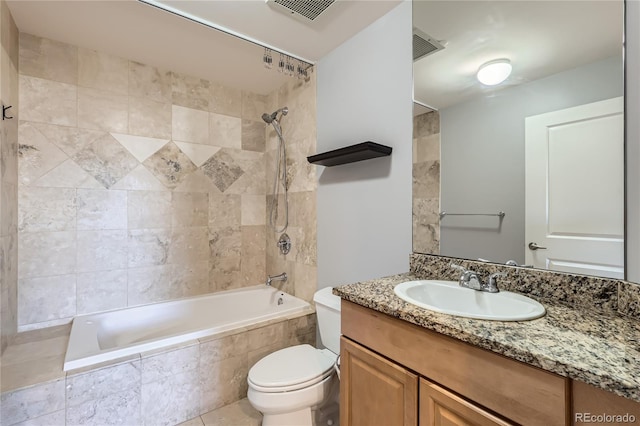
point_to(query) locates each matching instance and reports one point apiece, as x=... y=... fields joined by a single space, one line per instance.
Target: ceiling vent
x=424 y=44
x=303 y=10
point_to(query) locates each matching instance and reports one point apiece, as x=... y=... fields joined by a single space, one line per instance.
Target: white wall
x=633 y=140
x=364 y=208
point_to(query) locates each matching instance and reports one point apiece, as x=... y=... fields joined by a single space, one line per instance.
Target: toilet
x=298 y=385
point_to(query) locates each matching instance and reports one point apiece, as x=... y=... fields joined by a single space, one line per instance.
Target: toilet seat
x=292 y=368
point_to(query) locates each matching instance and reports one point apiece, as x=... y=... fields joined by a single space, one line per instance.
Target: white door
x=574 y=189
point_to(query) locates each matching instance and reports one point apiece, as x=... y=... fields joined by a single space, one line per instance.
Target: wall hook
x=4 y=112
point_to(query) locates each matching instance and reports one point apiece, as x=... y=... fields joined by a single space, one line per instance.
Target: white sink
x=448 y=297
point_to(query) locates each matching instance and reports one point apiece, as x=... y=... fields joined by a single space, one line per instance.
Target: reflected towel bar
x=499 y=214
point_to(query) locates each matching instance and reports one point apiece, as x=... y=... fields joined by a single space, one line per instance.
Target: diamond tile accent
x=170 y=165
x=68 y=175
x=139 y=146
x=140 y=179
x=36 y=155
x=222 y=169
x=198 y=153
x=106 y=160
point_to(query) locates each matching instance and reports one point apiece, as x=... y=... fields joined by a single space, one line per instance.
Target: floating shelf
x=350 y=154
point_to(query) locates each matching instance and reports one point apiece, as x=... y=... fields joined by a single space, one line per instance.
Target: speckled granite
x=605 y=295
x=583 y=344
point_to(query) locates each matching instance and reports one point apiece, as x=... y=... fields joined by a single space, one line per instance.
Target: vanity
x=404 y=365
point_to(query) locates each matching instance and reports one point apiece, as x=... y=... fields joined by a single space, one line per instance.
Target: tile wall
x=426 y=183
x=8 y=177
x=138 y=184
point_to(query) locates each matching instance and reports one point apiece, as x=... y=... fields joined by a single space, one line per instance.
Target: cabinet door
x=374 y=391
x=439 y=407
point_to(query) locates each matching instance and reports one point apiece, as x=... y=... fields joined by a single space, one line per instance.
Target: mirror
x=529 y=170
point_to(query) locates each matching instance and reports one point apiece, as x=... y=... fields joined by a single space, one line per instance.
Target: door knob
x=533 y=246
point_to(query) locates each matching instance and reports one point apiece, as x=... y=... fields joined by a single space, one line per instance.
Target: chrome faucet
x=280 y=277
x=472 y=280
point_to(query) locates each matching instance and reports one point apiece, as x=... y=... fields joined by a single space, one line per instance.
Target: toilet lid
x=302 y=364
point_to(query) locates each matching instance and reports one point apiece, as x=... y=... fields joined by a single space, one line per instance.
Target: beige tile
x=68 y=175
x=139 y=146
x=49 y=59
x=213 y=351
x=150 y=118
x=265 y=336
x=102 y=209
x=171 y=400
x=69 y=139
x=44 y=254
x=99 y=70
x=169 y=165
x=46 y=299
x=196 y=421
x=197 y=153
x=149 y=82
x=224 y=211
x=32 y=402
x=97 y=384
x=253 y=263
x=106 y=160
x=225 y=100
x=189 y=209
x=32 y=372
x=101 y=291
x=157 y=283
x=225 y=248
x=37 y=155
x=222 y=169
x=101 y=250
x=253 y=135
x=189 y=246
x=197 y=182
x=253 y=180
x=47 y=101
x=148 y=247
x=426 y=180
x=149 y=209
x=102 y=110
x=140 y=179
x=189 y=125
x=57 y=418
x=124 y=406
x=223 y=382
x=253 y=106
x=239 y=413
x=225 y=131
x=46 y=209
x=305 y=281
x=190 y=92
x=170 y=363
x=428 y=148
x=254 y=210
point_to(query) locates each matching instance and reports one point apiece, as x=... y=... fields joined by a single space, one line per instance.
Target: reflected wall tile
x=426 y=124
x=426 y=179
x=171 y=400
x=36 y=155
x=32 y=402
x=148 y=117
x=170 y=165
x=45 y=299
x=225 y=100
x=190 y=92
x=47 y=101
x=49 y=59
x=189 y=209
x=102 y=110
x=149 y=82
x=122 y=408
x=149 y=209
x=102 y=209
x=101 y=291
x=148 y=247
x=225 y=131
x=189 y=246
x=189 y=125
x=46 y=209
x=100 y=70
x=106 y=160
x=253 y=135
x=101 y=250
x=99 y=383
x=254 y=210
x=167 y=364
x=253 y=106
x=428 y=148
x=44 y=254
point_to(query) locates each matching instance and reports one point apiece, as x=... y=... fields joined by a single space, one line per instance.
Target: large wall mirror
x=529 y=171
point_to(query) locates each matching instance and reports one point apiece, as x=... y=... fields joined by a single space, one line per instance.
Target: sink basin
x=448 y=297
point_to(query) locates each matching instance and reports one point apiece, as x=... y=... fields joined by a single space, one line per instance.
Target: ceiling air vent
x=305 y=10
x=424 y=44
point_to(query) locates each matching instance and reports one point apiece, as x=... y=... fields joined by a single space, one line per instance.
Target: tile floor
x=239 y=413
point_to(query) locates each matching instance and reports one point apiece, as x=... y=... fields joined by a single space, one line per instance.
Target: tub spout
x=281 y=277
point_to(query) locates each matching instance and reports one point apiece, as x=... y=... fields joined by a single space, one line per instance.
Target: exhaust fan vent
x=307 y=9
x=424 y=44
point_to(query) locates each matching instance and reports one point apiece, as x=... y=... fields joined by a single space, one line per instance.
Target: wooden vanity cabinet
x=459 y=384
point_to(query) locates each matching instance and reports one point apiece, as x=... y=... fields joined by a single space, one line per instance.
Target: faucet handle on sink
x=492 y=283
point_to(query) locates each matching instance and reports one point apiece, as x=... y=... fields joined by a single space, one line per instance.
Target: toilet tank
x=328 y=312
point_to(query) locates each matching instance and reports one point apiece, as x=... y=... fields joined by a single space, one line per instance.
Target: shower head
x=269 y=118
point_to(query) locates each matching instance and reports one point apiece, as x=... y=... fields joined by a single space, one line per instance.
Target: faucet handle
x=492 y=282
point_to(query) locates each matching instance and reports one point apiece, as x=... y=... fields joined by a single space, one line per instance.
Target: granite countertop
x=602 y=350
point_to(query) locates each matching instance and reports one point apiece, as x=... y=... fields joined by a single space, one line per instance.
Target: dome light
x=494 y=72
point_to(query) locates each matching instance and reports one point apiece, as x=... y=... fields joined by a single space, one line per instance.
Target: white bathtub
x=102 y=337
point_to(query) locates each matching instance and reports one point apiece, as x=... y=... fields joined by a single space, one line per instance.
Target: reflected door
x=575 y=191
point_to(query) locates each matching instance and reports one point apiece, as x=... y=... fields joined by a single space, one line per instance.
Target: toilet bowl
x=298 y=385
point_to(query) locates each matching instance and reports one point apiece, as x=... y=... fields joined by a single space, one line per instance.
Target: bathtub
x=107 y=336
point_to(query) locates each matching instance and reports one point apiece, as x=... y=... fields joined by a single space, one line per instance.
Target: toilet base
x=296 y=418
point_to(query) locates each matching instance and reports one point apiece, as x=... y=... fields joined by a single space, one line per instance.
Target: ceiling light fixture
x=494 y=72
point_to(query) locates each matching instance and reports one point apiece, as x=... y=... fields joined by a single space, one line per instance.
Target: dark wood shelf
x=350 y=154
